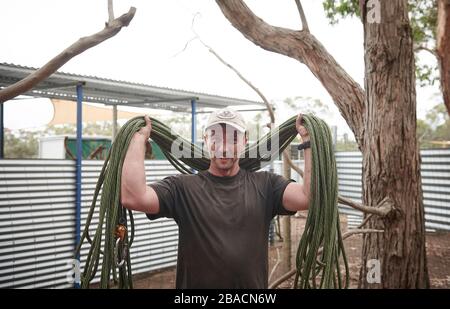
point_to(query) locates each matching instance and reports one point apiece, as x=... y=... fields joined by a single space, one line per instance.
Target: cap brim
x=239 y=128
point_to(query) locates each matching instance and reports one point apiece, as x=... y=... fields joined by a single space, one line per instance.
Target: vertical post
x=114 y=123
x=78 y=172
x=193 y=125
x=2 y=132
x=334 y=136
x=193 y=121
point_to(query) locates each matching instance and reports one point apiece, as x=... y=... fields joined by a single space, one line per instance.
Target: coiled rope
x=322 y=226
x=321 y=243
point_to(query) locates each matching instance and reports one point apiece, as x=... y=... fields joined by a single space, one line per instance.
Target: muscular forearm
x=133 y=173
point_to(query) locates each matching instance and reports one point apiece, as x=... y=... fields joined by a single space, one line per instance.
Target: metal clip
x=121 y=230
x=120 y=233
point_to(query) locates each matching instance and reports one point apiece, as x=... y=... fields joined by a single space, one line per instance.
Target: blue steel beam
x=78 y=173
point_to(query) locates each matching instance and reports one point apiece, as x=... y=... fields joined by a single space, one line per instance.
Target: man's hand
x=301 y=129
x=144 y=132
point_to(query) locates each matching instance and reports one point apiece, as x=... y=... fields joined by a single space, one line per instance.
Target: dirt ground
x=437 y=244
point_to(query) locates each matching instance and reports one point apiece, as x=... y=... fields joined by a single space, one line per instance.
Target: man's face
x=224 y=144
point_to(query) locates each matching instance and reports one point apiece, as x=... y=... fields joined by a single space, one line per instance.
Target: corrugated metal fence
x=37 y=222
x=37 y=214
x=435 y=171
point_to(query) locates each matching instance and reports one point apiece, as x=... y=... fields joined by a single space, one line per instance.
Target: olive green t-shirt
x=223 y=226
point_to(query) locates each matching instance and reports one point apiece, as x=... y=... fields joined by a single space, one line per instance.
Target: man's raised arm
x=296 y=196
x=135 y=194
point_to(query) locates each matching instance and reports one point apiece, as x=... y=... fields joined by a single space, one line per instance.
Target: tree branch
x=382 y=209
x=302 y=16
x=360 y=231
x=245 y=80
x=365 y=221
x=293 y=166
x=303 y=46
x=110 y=11
x=276 y=264
x=261 y=95
x=346 y=235
x=24 y=85
x=431 y=51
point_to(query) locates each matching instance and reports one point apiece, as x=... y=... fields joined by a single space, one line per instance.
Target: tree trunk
x=443 y=48
x=391 y=158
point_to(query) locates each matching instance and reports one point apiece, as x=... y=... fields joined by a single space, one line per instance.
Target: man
x=223 y=213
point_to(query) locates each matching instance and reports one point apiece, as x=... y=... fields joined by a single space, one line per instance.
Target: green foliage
x=337 y=9
x=437 y=115
x=423 y=20
x=435 y=129
x=426 y=74
x=305 y=105
x=344 y=144
x=21 y=144
x=103 y=128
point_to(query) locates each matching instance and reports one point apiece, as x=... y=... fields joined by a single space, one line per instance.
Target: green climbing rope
x=321 y=243
x=322 y=226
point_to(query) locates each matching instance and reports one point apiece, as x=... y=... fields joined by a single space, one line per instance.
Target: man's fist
x=301 y=129
x=145 y=131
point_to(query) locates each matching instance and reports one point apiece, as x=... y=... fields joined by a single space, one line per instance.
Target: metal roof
x=61 y=85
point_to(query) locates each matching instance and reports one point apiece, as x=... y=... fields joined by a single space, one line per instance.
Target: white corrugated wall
x=37 y=214
x=37 y=222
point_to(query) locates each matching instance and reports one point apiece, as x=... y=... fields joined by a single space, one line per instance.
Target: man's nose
x=224 y=149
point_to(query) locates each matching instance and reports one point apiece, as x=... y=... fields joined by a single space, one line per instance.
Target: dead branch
x=382 y=209
x=24 y=85
x=293 y=166
x=431 y=51
x=302 y=16
x=365 y=221
x=110 y=11
x=276 y=264
x=232 y=68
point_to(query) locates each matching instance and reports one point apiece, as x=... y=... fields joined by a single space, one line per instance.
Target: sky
x=151 y=50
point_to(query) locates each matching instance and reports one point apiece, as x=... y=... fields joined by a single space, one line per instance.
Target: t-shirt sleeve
x=278 y=185
x=167 y=191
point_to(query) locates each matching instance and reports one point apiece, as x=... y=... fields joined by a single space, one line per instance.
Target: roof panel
x=61 y=85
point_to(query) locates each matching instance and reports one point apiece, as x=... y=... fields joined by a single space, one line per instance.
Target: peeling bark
x=443 y=48
x=391 y=159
